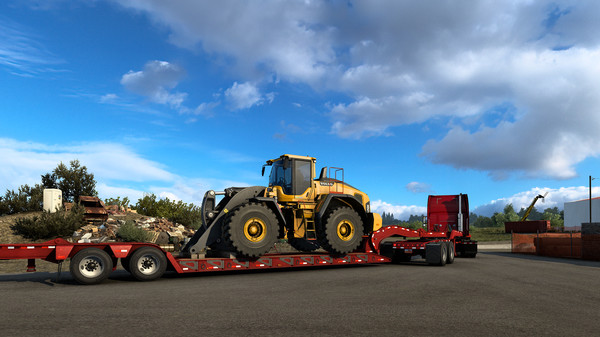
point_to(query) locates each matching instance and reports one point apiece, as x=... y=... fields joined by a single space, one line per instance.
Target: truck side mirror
x=263 y=171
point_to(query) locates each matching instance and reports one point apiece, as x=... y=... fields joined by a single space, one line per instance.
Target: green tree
x=555 y=216
x=73 y=181
x=482 y=221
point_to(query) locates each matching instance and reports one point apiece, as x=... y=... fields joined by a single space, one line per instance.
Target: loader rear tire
x=147 y=264
x=303 y=244
x=341 y=231
x=90 y=266
x=251 y=229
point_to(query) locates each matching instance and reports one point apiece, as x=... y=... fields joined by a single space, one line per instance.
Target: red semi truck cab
x=448 y=212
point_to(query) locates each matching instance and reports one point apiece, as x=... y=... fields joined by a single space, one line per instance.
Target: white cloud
x=156 y=82
x=398 y=66
x=418 y=187
x=118 y=170
x=24 y=162
x=400 y=212
x=21 y=52
x=243 y=96
x=556 y=197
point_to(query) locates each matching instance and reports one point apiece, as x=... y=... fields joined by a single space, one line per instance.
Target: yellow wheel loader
x=307 y=210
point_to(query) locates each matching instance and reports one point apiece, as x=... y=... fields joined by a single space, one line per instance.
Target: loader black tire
x=341 y=230
x=147 y=264
x=251 y=230
x=303 y=244
x=91 y=266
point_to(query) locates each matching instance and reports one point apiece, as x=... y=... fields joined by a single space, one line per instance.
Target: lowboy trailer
x=92 y=263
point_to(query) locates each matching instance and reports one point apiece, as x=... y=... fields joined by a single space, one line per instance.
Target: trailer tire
x=436 y=253
x=251 y=229
x=91 y=266
x=303 y=244
x=451 y=253
x=147 y=264
x=341 y=231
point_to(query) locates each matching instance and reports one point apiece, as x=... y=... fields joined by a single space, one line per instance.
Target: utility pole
x=591 y=199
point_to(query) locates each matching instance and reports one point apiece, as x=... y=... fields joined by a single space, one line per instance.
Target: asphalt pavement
x=495 y=294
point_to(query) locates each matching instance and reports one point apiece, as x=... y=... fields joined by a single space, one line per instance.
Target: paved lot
x=495 y=294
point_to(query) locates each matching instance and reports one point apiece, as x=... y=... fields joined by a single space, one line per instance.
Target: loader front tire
x=251 y=230
x=341 y=231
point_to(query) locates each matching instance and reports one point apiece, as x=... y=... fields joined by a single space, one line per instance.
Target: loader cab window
x=292 y=175
x=281 y=175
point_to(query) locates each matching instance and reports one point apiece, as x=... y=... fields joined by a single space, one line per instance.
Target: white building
x=578 y=212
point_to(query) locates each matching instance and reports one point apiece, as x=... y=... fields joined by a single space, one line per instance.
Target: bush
x=131 y=233
x=176 y=211
x=50 y=225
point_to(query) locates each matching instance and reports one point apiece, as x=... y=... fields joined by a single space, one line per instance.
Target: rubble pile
x=162 y=230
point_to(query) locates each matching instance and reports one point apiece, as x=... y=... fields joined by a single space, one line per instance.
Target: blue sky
x=496 y=99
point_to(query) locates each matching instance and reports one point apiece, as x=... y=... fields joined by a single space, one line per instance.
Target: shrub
x=50 y=225
x=131 y=233
x=176 y=211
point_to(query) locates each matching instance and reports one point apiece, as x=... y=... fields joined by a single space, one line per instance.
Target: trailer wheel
x=341 y=231
x=303 y=244
x=436 y=253
x=451 y=253
x=90 y=266
x=147 y=264
x=251 y=229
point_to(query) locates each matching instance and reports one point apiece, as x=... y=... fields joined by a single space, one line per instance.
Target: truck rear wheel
x=90 y=266
x=451 y=253
x=147 y=264
x=341 y=231
x=251 y=229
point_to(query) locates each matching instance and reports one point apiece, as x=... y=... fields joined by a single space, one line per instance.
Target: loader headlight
x=368 y=207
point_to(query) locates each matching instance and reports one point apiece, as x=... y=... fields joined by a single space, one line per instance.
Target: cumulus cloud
x=243 y=96
x=556 y=197
x=402 y=62
x=156 y=81
x=400 y=212
x=418 y=187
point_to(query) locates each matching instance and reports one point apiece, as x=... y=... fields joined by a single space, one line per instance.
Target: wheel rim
x=255 y=229
x=91 y=266
x=148 y=264
x=345 y=230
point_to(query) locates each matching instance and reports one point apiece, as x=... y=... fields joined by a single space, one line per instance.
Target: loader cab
x=291 y=175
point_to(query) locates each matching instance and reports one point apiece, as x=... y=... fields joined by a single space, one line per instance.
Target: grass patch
x=489 y=234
